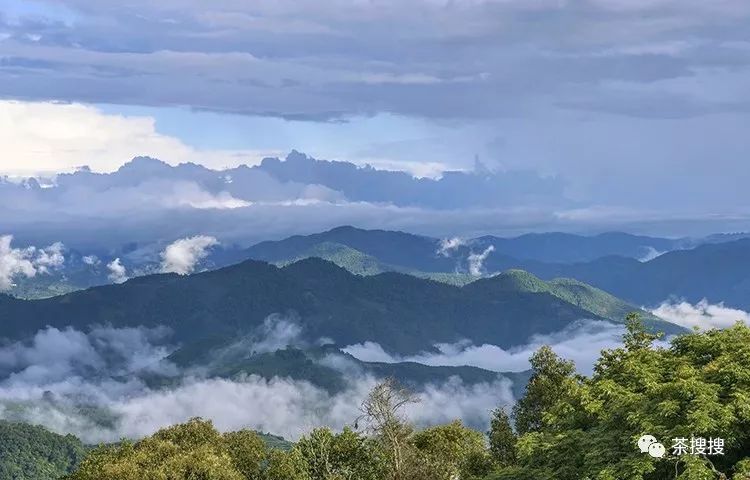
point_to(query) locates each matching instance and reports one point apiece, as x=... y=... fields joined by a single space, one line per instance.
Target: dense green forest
x=566 y=427
x=32 y=453
x=330 y=302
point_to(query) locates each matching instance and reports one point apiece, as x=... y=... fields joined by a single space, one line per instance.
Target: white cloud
x=581 y=342
x=448 y=245
x=117 y=271
x=26 y=262
x=651 y=253
x=703 y=314
x=44 y=137
x=183 y=255
x=50 y=257
x=477 y=259
x=91 y=260
x=47 y=377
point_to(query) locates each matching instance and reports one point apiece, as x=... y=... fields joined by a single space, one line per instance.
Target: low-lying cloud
x=26 y=262
x=183 y=255
x=96 y=385
x=117 y=271
x=702 y=315
x=476 y=261
x=581 y=342
x=449 y=245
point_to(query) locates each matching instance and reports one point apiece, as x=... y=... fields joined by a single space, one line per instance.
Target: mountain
x=403 y=313
x=33 y=453
x=717 y=272
x=589 y=298
x=326 y=367
x=555 y=247
x=405 y=250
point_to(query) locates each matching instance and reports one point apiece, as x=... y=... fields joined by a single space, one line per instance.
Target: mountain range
x=403 y=313
x=714 y=268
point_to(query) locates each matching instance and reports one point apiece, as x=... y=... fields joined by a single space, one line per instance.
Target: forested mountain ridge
x=33 y=453
x=403 y=313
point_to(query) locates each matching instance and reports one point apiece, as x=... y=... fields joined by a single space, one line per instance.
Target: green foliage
x=33 y=453
x=391 y=309
x=502 y=438
x=452 y=451
x=189 y=451
x=343 y=456
x=551 y=380
x=588 y=428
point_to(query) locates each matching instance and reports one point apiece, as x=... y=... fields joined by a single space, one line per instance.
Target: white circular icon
x=656 y=450
x=646 y=441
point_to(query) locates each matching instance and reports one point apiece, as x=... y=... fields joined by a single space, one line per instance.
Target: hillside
x=33 y=453
x=716 y=270
x=404 y=314
x=326 y=367
x=400 y=249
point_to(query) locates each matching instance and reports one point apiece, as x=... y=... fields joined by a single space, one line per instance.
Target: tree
x=33 y=453
x=551 y=378
x=286 y=466
x=696 y=387
x=452 y=451
x=382 y=411
x=502 y=438
x=344 y=456
x=247 y=451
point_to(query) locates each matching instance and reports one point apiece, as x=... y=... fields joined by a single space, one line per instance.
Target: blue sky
x=637 y=104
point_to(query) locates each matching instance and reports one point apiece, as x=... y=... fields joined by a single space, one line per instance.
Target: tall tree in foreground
x=697 y=387
x=382 y=411
x=551 y=381
x=502 y=438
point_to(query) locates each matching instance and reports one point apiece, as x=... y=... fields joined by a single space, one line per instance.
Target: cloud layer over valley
x=97 y=386
x=581 y=342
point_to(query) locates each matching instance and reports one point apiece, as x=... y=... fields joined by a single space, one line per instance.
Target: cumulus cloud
x=476 y=260
x=182 y=256
x=40 y=137
x=581 y=342
x=59 y=377
x=26 y=262
x=117 y=271
x=703 y=314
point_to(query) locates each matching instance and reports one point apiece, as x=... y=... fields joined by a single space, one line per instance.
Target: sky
x=638 y=106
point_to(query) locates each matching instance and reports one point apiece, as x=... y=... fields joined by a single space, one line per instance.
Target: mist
x=581 y=342
x=99 y=387
x=702 y=315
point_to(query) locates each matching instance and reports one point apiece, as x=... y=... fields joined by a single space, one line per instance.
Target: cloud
x=26 y=262
x=59 y=377
x=183 y=255
x=651 y=253
x=448 y=245
x=185 y=53
x=117 y=271
x=703 y=315
x=581 y=342
x=477 y=259
x=91 y=260
x=41 y=137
